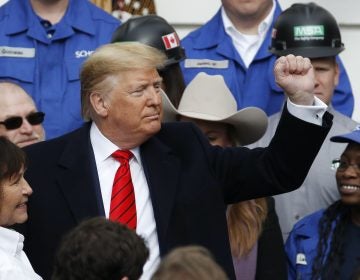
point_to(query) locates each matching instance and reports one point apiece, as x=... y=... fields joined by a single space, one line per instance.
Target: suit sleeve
x=279 y=168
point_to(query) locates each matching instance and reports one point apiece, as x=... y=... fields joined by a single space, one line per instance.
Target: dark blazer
x=271 y=257
x=190 y=183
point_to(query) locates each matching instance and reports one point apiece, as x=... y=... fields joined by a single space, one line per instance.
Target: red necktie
x=122 y=206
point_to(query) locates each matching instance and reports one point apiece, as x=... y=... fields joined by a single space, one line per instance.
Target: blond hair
x=101 y=70
x=245 y=220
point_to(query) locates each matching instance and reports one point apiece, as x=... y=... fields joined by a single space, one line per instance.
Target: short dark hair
x=12 y=159
x=100 y=249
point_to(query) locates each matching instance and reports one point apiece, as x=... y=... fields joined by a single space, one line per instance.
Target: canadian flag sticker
x=171 y=41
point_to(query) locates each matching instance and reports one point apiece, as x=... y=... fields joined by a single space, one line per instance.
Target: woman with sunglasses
x=19 y=119
x=326 y=244
x=14 y=194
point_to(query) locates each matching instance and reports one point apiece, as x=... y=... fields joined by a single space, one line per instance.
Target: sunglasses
x=15 y=122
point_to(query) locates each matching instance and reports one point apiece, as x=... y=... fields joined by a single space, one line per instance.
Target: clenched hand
x=295 y=75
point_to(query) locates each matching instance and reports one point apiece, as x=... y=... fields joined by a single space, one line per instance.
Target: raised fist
x=295 y=75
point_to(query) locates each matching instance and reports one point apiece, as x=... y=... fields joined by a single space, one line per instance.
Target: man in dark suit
x=182 y=184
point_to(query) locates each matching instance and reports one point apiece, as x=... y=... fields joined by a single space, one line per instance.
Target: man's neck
x=51 y=10
x=249 y=24
x=249 y=27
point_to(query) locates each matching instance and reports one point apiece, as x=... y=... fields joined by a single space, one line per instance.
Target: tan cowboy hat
x=208 y=98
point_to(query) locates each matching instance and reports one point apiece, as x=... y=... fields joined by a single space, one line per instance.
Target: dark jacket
x=190 y=184
x=271 y=257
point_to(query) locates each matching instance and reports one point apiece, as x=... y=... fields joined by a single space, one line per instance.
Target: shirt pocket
x=73 y=95
x=73 y=67
x=20 y=69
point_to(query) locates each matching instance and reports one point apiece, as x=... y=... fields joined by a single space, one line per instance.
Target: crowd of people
x=319 y=188
x=127 y=153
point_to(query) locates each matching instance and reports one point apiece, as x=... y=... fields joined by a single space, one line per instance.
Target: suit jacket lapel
x=161 y=169
x=77 y=176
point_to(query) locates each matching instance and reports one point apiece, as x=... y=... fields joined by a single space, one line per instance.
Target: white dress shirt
x=312 y=114
x=106 y=167
x=14 y=264
x=248 y=45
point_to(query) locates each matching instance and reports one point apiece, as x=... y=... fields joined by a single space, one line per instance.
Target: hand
x=295 y=75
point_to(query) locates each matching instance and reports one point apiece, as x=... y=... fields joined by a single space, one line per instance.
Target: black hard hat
x=154 y=31
x=307 y=30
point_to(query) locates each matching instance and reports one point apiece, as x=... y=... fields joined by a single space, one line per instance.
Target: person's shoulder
x=203 y=30
x=189 y=40
x=181 y=134
x=7 y=4
x=56 y=143
x=5 y=10
x=309 y=223
x=184 y=139
x=193 y=34
x=343 y=121
x=176 y=128
x=275 y=118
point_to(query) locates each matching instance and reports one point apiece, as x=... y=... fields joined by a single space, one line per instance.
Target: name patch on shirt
x=6 y=51
x=206 y=63
x=301 y=259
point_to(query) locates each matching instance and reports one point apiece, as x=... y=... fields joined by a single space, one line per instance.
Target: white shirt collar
x=262 y=28
x=11 y=241
x=103 y=147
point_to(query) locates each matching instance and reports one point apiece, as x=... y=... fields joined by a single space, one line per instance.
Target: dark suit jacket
x=190 y=183
x=271 y=257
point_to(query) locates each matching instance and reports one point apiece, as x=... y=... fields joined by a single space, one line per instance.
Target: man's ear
x=99 y=104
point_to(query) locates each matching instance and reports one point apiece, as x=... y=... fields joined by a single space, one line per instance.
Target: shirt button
x=49 y=35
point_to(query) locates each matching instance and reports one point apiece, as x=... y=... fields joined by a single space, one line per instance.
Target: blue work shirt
x=45 y=59
x=252 y=86
x=301 y=246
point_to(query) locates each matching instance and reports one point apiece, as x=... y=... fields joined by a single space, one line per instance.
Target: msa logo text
x=83 y=53
x=309 y=32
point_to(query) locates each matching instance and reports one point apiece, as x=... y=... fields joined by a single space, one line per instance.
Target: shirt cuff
x=312 y=114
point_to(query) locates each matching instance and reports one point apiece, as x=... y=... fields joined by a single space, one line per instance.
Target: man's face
x=326 y=78
x=247 y=9
x=15 y=102
x=133 y=108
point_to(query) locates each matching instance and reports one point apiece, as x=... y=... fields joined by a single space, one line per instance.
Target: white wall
x=186 y=15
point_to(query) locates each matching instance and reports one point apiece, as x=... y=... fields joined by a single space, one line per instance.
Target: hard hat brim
x=310 y=52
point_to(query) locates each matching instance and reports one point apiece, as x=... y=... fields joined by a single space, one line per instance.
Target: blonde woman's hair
x=100 y=72
x=245 y=221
